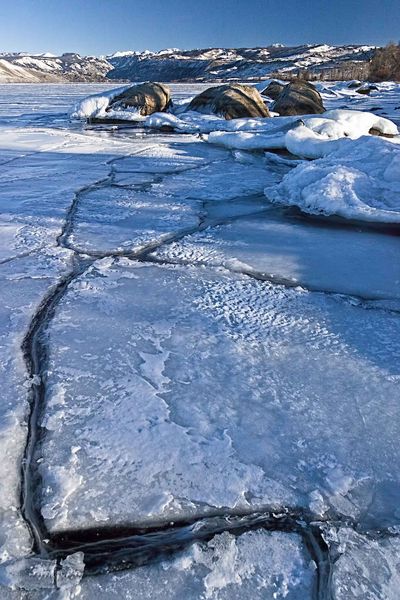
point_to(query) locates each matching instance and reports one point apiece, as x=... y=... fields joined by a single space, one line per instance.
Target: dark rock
x=147 y=97
x=299 y=98
x=230 y=101
x=366 y=90
x=273 y=90
x=378 y=132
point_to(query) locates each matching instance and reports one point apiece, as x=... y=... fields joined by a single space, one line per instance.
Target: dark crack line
x=21 y=156
x=22 y=255
x=123 y=551
x=62 y=239
x=122 y=548
x=35 y=351
x=364 y=302
x=205 y=222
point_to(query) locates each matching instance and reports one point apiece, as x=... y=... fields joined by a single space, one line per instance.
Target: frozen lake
x=201 y=386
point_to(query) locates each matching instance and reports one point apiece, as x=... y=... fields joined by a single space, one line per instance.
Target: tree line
x=383 y=66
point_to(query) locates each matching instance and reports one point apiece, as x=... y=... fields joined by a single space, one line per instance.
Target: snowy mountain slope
x=10 y=73
x=230 y=63
x=22 y=67
x=210 y=64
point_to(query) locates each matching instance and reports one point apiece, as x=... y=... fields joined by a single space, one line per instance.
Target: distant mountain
x=211 y=64
x=236 y=63
x=42 y=68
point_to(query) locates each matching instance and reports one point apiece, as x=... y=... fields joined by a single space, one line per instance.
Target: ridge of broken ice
x=359 y=179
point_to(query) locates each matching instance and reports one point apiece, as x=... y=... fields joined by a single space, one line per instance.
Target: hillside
x=242 y=63
x=25 y=68
x=211 y=64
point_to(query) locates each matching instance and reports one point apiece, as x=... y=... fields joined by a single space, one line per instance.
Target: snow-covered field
x=200 y=352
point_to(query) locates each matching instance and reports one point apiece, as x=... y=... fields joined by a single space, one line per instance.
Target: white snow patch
x=95 y=106
x=358 y=179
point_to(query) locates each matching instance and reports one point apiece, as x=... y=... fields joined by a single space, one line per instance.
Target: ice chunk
x=365 y=567
x=71 y=571
x=359 y=180
x=306 y=136
x=31 y=573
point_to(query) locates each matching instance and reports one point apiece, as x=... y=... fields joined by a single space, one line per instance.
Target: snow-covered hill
x=28 y=68
x=231 y=63
x=210 y=64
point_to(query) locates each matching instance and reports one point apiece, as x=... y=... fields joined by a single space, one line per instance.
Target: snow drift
x=359 y=179
x=96 y=106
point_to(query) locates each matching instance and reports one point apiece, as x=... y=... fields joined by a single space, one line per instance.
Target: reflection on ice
x=315 y=254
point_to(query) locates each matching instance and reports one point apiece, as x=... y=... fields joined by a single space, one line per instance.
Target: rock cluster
x=273 y=90
x=230 y=101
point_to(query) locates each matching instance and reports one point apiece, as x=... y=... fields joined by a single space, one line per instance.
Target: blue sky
x=104 y=26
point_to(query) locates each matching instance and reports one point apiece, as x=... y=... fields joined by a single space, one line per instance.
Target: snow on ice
x=172 y=383
x=217 y=351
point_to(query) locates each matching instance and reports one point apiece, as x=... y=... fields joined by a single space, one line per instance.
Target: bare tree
x=385 y=64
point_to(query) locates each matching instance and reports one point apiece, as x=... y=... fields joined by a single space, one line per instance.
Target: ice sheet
x=365 y=566
x=179 y=391
x=23 y=283
x=200 y=402
x=319 y=255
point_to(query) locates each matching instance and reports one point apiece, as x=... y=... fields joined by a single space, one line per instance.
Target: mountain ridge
x=202 y=64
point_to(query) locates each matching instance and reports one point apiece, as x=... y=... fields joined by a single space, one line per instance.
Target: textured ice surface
x=112 y=219
x=41 y=169
x=176 y=391
x=317 y=255
x=128 y=210
x=256 y=565
x=218 y=181
x=165 y=189
x=365 y=568
x=23 y=283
